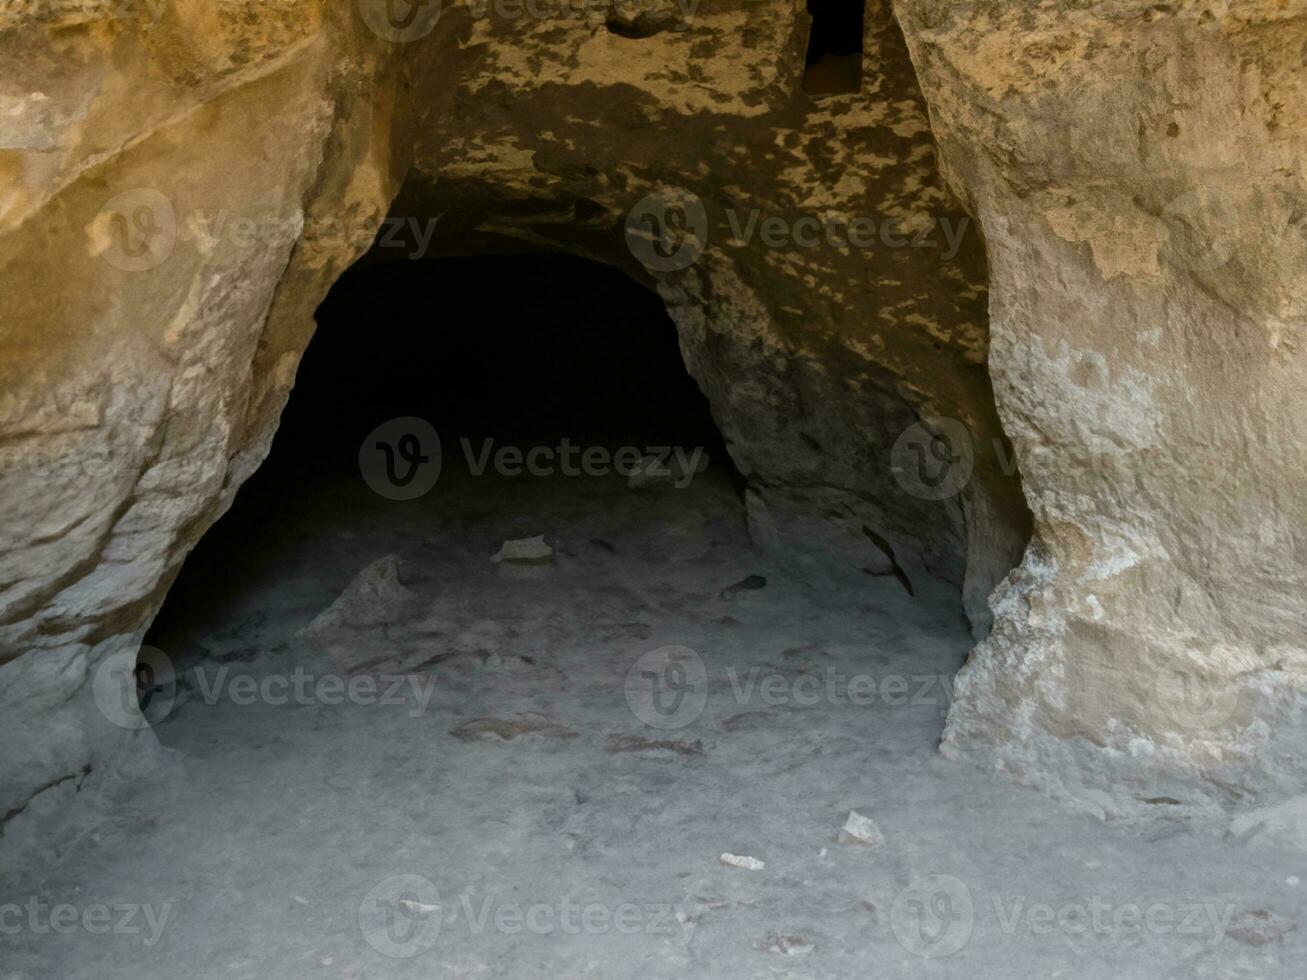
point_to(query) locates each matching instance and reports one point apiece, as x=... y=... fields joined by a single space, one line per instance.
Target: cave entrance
x=473 y=401
x=386 y=722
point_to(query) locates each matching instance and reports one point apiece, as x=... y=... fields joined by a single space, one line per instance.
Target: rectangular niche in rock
x=834 y=62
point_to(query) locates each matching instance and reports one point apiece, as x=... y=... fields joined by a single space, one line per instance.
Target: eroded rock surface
x=1138 y=172
x=187 y=181
x=180 y=184
x=157 y=175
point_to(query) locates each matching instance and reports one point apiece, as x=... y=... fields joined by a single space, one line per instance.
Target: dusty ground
x=517 y=815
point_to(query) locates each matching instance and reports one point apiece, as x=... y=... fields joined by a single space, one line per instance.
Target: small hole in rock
x=834 y=61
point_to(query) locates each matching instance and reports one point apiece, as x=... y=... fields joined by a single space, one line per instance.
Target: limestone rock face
x=818 y=347
x=155 y=179
x=181 y=183
x=1138 y=171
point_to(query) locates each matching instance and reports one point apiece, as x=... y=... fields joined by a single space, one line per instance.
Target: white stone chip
x=860 y=830
x=419 y=908
x=528 y=550
x=742 y=861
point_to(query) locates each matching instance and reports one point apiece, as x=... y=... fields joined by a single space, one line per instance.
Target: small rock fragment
x=860 y=830
x=374 y=597
x=524 y=551
x=742 y=861
x=788 y=945
x=1257 y=927
x=746 y=721
x=636 y=743
x=508 y=729
x=415 y=907
x=750 y=584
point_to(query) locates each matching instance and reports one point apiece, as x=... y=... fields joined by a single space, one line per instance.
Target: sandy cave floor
x=552 y=832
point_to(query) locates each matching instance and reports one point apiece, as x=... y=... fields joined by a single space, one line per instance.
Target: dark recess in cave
x=523 y=349
x=834 y=60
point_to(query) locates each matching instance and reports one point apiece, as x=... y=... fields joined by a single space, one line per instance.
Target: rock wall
x=157 y=289
x=1138 y=169
x=817 y=350
x=181 y=182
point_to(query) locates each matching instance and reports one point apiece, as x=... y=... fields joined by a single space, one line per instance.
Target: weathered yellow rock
x=181 y=183
x=1138 y=170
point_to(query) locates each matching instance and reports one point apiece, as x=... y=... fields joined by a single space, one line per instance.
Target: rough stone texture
x=133 y=403
x=262 y=144
x=1138 y=170
x=547 y=134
